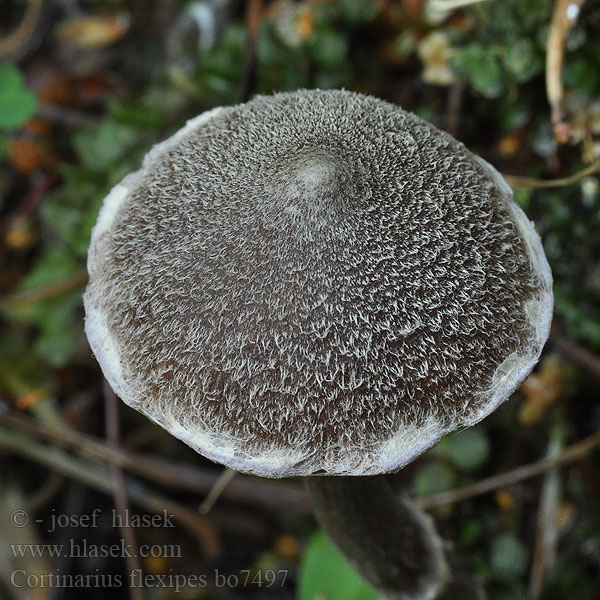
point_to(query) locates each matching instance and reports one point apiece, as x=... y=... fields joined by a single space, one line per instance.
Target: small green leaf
x=140 y=114
x=72 y=209
x=19 y=369
x=100 y=147
x=17 y=103
x=582 y=74
x=56 y=342
x=470 y=532
x=358 y=11
x=481 y=65
x=328 y=48
x=325 y=574
x=54 y=318
x=434 y=478
x=508 y=555
x=523 y=197
x=521 y=59
x=469 y=449
x=51 y=267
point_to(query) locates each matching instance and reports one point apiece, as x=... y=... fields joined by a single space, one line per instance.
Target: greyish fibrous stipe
x=315 y=281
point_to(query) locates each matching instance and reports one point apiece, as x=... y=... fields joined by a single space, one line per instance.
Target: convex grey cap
x=315 y=282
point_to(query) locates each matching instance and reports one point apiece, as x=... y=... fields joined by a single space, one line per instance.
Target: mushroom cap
x=315 y=282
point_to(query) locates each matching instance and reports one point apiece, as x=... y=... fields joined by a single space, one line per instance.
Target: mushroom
x=320 y=283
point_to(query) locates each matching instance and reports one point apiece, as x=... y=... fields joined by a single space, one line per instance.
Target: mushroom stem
x=389 y=541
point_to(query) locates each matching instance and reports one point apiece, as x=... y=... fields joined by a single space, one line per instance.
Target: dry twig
x=579 y=355
x=249 y=70
x=120 y=496
x=547 y=525
x=98 y=478
x=452 y=4
x=243 y=488
x=216 y=490
x=15 y=43
x=570 y=454
x=269 y=493
x=517 y=182
x=564 y=15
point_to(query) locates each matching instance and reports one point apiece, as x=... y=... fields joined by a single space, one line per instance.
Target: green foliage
x=17 y=103
x=106 y=152
x=4 y=141
x=568 y=579
x=511 y=18
x=506 y=568
x=53 y=266
x=469 y=449
x=358 y=11
x=71 y=210
x=19 y=368
x=522 y=61
x=345 y=14
x=324 y=573
x=328 y=48
x=465 y=451
x=54 y=319
x=581 y=74
x=274 y=60
x=146 y=113
x=570 y=221
x=219 y=70
x=102 y=146
x=508 y=556
x=502 y=50
x=580 y=315
x=481 y=65
x=513 y=113
x=434 y=478
x=470 y=533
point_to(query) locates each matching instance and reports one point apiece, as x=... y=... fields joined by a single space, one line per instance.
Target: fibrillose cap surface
x=315 y=282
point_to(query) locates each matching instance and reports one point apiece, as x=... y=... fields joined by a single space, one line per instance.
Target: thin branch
x=119 y=489
x=243 y=488
x=572 y=453
x=517 y=182
x=98 y=478
x=15 y=43
x=452 y=4
x=246 y=82
x=216 y=490
x=269 y=493
x=49 y=292
x=547 y=522
x=564 y=15
x=579 y=355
